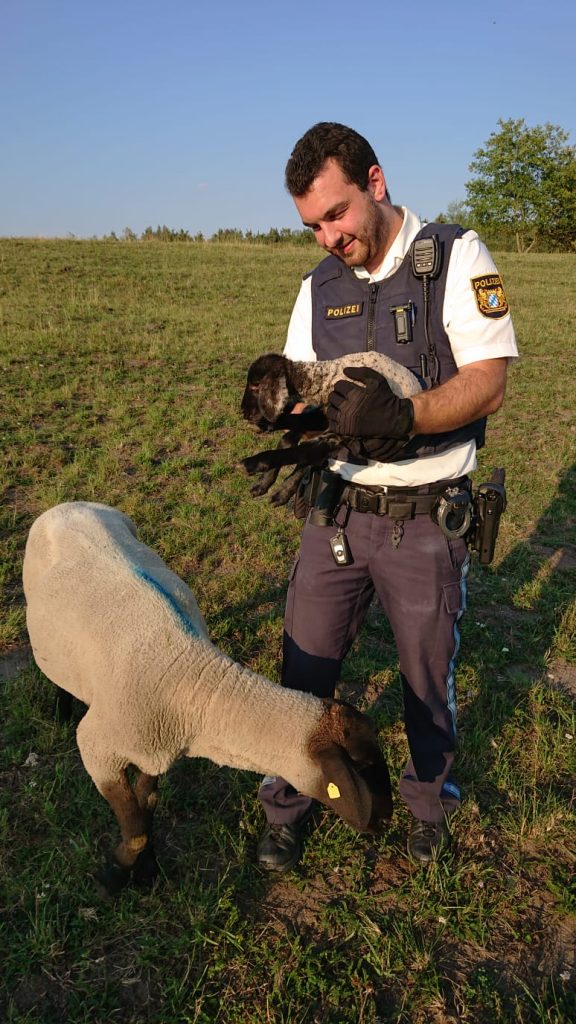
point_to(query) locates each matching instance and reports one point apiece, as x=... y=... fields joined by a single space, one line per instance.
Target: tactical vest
x=354 y=315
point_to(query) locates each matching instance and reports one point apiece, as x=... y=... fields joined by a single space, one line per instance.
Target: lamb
x=276 y=383
x=112 y=625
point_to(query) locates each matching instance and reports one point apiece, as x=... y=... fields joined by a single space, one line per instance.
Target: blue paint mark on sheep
x=183 y=619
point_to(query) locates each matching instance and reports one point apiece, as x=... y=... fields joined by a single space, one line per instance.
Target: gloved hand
x=384 y=449
x=370 y=411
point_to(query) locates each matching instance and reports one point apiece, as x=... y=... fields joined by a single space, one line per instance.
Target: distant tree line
x=162 y=233
x=522 y=197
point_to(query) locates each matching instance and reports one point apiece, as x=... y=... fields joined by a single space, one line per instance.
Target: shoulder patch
x=489 y=294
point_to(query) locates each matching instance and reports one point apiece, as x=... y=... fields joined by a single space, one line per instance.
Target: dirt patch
x=364 y=696
x=562 y=676
x=534 y=950
x=287 y=906
x=37 y=992
x=503 y=613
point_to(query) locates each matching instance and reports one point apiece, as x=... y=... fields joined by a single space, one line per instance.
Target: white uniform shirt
x=472 y=336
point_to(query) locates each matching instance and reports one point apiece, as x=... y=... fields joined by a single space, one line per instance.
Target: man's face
x=347 y=222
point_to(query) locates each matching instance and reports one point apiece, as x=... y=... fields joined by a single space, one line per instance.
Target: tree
x=457 y=212
x=526 y=181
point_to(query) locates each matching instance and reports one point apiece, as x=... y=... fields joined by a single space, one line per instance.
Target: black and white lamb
x=111 y=624
x=275 y=384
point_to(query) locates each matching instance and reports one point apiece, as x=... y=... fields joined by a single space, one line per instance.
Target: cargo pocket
x=454 y=598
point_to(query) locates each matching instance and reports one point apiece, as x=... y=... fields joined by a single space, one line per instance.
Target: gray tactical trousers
x=421 y=585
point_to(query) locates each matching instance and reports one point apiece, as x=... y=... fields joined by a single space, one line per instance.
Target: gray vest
x=353 y=315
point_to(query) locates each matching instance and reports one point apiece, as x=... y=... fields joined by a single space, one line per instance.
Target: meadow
x=121 y=370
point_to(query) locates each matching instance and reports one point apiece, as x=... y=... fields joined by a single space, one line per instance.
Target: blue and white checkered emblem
x=490 y=297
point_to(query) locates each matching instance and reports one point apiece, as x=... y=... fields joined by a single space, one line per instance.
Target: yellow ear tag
x=333 y=791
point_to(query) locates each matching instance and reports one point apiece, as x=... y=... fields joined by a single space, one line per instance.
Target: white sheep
x=111 y=624
x=275 y=384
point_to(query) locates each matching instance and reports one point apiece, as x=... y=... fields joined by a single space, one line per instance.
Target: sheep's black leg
x=132 y=819
x=146 y=791
x=145 y=868
x=108 y=773
x=63 y=705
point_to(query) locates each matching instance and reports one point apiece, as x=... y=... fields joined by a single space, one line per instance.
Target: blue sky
x=118 y=113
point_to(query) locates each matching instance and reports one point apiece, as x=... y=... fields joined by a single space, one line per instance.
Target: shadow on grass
x=513 y=624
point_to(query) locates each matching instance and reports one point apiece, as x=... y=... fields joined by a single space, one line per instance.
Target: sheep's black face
x=249 y=406
x=266 y=395
x=356 y=778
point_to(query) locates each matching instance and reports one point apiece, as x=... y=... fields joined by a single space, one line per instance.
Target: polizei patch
x=490 y=297
x=340 y=312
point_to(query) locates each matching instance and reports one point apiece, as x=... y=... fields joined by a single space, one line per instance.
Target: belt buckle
x=364 y=501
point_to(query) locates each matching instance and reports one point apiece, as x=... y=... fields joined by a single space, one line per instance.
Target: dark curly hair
x=323 y=141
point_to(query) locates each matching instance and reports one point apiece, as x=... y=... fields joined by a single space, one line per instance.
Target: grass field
x=121 y=369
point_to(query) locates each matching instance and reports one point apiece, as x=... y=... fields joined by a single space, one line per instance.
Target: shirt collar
x=411 y=225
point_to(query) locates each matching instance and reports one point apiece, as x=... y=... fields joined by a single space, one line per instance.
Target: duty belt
x=401 y=503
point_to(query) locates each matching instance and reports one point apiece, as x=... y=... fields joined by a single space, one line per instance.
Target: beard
x=370 y=244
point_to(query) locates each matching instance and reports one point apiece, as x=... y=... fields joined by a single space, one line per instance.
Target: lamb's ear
x=355 y=774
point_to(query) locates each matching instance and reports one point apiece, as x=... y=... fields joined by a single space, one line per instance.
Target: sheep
x=274 y=385
x=112 y=625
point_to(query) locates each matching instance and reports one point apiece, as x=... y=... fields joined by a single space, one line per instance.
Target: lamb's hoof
x=258 y=490
x=251 y=465
x=145 y=869
x=113 y=877
x=278 y=498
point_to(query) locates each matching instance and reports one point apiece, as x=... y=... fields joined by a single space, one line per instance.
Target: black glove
x=370 y=411
x=384 y=449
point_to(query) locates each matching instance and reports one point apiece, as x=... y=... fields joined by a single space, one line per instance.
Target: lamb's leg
x=311 y=420
x=308 y=453
x=288 y=487
x=288 y=440
x=265 y=483
x=108 y=772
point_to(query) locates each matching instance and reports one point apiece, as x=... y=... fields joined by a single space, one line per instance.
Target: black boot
x=428 y=840
x=279 y=847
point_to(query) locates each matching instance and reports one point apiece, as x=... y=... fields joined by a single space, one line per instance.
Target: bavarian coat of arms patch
x=490 y=297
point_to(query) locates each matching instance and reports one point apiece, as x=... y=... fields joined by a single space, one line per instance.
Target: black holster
x=489 y=504
x=319 y=491
x=303 y=497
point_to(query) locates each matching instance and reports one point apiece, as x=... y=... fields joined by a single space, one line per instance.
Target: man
x=442 y=312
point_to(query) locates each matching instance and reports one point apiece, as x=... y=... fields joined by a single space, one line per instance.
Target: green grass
x=121 y=369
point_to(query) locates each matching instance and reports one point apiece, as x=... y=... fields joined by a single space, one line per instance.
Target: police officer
x=430 y=297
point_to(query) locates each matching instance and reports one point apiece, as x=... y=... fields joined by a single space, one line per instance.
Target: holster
x=306 y=494
x=489 y=504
